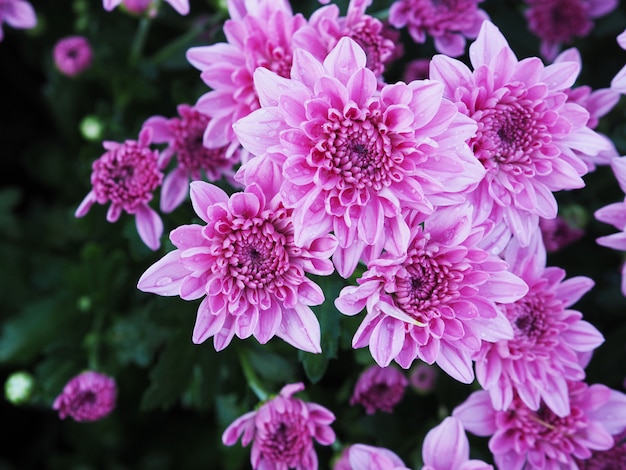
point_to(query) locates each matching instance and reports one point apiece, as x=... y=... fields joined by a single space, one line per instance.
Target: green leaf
x=315 y=365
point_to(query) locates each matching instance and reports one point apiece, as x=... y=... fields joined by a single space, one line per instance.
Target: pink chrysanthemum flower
x=364 y=457
x=558 y=22
x=449 y=22
x=558 y=233
x=326 y=27
x=282 y=431
x=126 y=176
x=528 y=136
x=17 y=14
x=437 y=302
x=379 y=388
x=89 y=396
x=258 y=34
x=140 y=6
x=522 y=438
x=612 y=459
x=549 y=336
x=446 y=448
x=72 y=55
x=351 y=157
x=244 y=260
x=423 y=378
x=184 y=136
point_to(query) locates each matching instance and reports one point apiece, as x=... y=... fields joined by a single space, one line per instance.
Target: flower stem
x=140 y=40
x=252 y=378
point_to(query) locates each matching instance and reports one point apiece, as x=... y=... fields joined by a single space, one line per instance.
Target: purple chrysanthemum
x=379 y=388
x=528 y=136
x=558 y=22
x=558 y=233
x=126 y=176
x=522 y=438
x=437 y=302
x=17 y=14
x=282 y=431
x=611 y=459
x=258 y=34
x=423 y=378
x=244 y=260
x=543 y=356
x=448 y=22
x=89 y=396
x=364 y=457
x=72 y=55
x=350 y=156
x=184 y=135
x=140 y=6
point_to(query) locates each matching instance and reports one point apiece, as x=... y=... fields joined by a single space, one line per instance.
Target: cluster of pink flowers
x=90 y=396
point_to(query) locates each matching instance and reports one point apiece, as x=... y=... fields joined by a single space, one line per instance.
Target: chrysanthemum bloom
x=258 y=34
x=558 y=22
x=246 y=263
x=612 y=459
x=528 y=134
x=615 y=215
x=364 y=457
x=379 y=388
x=446 y=448
x=89 y=396
x=557 y=233
x=537 y=362
x=326 y=27
x=351 y=157
x=538 y=440
x=618 y=83
x=282 y=431
x=423 y=377
x=416 y=70
x=72 y=55
x=126 y=176
x=437 y=302
x=448 y=22
x=140 y=6
x=184 y=136
x=17 y=14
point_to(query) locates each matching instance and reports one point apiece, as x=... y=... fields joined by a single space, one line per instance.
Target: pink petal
x=181 y=6
x=207 y=323
x=456 y=363
x=259 y=131
x=204 y=195
x=346 y=58
x=487 y=45
x=165 y=276
x=477 y=414
x=174 y=190
x=300 y=328
x=387 y=340
x=149 y=226
x=446 y=446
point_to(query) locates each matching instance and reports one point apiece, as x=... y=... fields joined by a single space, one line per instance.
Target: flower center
x=283 y=440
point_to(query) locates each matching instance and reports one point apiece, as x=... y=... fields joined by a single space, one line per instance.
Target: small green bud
x=92 y=128
x=19 y=387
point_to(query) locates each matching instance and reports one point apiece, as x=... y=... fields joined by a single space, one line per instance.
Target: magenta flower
x=282 y=431
x=539 y=439
x=528 y=136
x=364 y=457
x=423 y=378
x=246 y=263
x=126 y=176
x=416 y=70
x=17 y=14
x=72 y=55
x=549 y=337
x=449 y=23
x=446 y=448
x=258 y=34
x=326 y=27
x=558 y=22
x=557 y=233
x=194 y=161
x=437 y=302
x=614 y=458
x=352 y=157
x=140 y=6
x=89 y=396
x=379 y=388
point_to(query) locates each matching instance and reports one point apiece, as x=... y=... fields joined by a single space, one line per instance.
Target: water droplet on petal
x=163 y=281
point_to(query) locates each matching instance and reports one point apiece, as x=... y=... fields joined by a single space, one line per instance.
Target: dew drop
x=163 y=281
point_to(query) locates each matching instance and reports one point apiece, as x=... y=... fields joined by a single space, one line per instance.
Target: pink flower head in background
x=17 y=14
x=423 y=377
x=282 y=431
x=611 y=459
x=549 y=337
x=89 y=396
x=615 y=215
x=522 y=438
x=449 y=23
x=244 y=260
x=351 y=156
x=364 y=457
x=326 y=27
x=140 y=6
x=446 y=448
x=528 y=136
x=557 y=233
x=72 y=55
x=379 y=388
x=184 y=136
x=126 y=176
x=437 y=302
x=258 y=34
x=558 y=22
x=416 y=70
